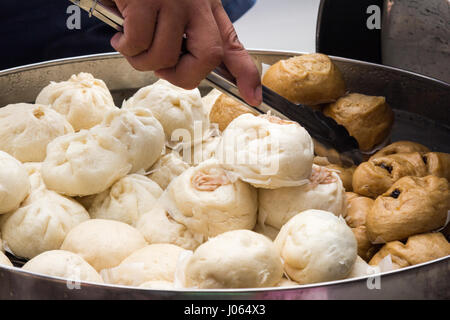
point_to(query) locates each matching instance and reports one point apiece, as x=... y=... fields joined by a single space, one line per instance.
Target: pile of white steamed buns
x=153 y=195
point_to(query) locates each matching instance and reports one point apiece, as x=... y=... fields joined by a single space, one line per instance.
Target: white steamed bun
x=4 y=260
x=33 y=170
x=266 y=151
x=63 y=264
x=103 y=243
x=155 y=262
x=202 y=151
x=82 y=99
x=234 y=259
x=316 y=246
x=139 y=131
x=41 y=223
x=84 y=163
x=324 y=191
x=168 y=167
x=14 y=183
x=175 y=108
x=127 y=200
x=208 y=202
x=26 y=130
x=157 y=226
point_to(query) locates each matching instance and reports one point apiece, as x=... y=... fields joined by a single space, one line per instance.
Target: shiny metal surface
x=420 y=104
x=425 y=281
x=415 y=36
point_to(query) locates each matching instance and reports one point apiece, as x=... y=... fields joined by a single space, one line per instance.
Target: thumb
x=238 y=60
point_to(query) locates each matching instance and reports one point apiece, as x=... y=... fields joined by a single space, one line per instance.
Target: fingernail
x=115 y=41
x=258 y=95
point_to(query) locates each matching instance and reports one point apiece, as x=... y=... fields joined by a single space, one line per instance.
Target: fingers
x=238 y=60
x=138 y=28
x=166 y=45
x=152 y=39
x=204 y=44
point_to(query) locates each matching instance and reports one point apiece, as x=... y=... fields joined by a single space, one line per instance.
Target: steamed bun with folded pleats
x=168 y=167
x=63 y=264
x=202 y=151
x=26 y=130
x=180 y=111
x=316 y=246
x=155 y=262
x=324 y=191
x=85 y=163
x=103 y=243
x=158 y=226
x=139 y=131
x=234 y=259
x=208 y=202
x=82 y=99
x=209 y=99
x=41 y=223
x=33 y=170
x=126 y=200
x=266 y=151
x=14 y=183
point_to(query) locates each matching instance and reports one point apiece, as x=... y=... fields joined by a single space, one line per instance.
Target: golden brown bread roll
x=418 y=249
x=412 y=205
x=375 y=176
x=367 y=118
x=438 y=164
x=225 y=109
x=357 y=209
x=309 y=79
x=366 y=249
x=400 y=147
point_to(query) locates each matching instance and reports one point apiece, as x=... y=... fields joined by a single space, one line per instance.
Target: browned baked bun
x=438 y=164
x=321 y=161
x=418 y=249
x=375 y=176
x=309 y=79
x=367 y=118
x=366 y=249
x=411 y=206
x=400 y=147
x=225 y=109
x=357 y=210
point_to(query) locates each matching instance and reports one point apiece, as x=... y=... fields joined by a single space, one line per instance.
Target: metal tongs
x=331 y=140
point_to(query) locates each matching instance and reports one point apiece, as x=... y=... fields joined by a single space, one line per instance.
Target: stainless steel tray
x=421 y=108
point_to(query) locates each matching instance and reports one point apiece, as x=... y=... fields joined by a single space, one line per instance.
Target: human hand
x=153 y=36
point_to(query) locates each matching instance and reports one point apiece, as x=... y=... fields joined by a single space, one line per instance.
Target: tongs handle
x=108 y=15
